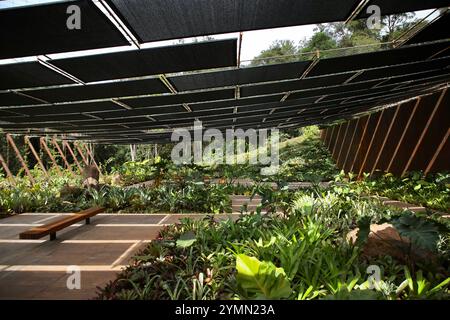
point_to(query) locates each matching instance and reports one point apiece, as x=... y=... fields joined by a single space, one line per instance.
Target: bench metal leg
x=52 y=236
x=88 y=220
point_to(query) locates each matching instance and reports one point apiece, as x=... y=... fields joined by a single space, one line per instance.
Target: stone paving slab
x=37 y=269
x=51 y=284
x=111 y=232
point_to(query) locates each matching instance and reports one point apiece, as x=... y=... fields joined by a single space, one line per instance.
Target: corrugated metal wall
x=410 y=137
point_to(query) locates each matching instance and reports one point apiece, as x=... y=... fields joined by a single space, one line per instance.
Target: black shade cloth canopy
x=42 y=29
x=101 y=90
x=29 y=74
x=378 y=58
x=10 y=98
x=314 y=99
x=144 y=62
x=242 y=76
x=153 y=20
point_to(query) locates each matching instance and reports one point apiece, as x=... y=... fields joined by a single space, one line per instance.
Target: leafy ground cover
x=187 y=188
x=432 y=191
x=302 y=158
x=177 y=189
x=305 y=254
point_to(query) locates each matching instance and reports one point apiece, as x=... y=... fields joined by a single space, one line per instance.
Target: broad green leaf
x=420 y=231
x=261 y=280
x=186 y=240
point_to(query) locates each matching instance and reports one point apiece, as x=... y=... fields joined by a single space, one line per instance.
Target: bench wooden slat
x=53 y=227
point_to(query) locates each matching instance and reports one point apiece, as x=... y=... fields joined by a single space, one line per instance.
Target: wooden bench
x=51 y=228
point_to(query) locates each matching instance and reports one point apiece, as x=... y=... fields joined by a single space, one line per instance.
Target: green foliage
x=363 y=230
x=186 y=240
x=419 y=287
x=280 y=51
x=45 y=195
x=432 y=191
x=303 y=255
x=261 y=280
x=422 y=232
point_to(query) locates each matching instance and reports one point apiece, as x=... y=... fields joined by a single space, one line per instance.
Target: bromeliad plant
x=303 y=255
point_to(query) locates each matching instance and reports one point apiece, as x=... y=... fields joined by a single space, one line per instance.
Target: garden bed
x=303 y=255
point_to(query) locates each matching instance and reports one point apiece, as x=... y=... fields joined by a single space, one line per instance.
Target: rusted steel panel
x=343 y=146
x=370 y=153
x=362 y=144
x=346 y=143
x=365 y=142
x=330 y=140
x=322 y=134
x=413 y=133
x=385 y=131
x=433 y=136
x=338 y=141
x=360 y=128
x=395 y=135
x=350 y=144
x=443 y=158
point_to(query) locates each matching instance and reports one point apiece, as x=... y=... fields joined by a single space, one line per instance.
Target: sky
x=253 y=41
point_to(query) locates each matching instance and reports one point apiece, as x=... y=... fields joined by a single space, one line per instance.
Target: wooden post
x=8 y=172
x=85 y=160
x=33 y=151
x=92 y=158
x=44 y=145
x=19 y=156
x=55 y=143
x=72 y=154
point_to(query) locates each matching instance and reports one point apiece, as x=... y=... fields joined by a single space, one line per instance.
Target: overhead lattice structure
x=141 y=95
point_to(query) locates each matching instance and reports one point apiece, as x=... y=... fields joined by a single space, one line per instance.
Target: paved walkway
x=37 y=269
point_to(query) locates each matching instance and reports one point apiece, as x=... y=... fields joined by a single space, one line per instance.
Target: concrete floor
x=38 y=269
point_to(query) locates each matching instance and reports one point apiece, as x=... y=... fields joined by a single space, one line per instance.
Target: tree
x=321 y=41
x=396 y=24
x=280 y=51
